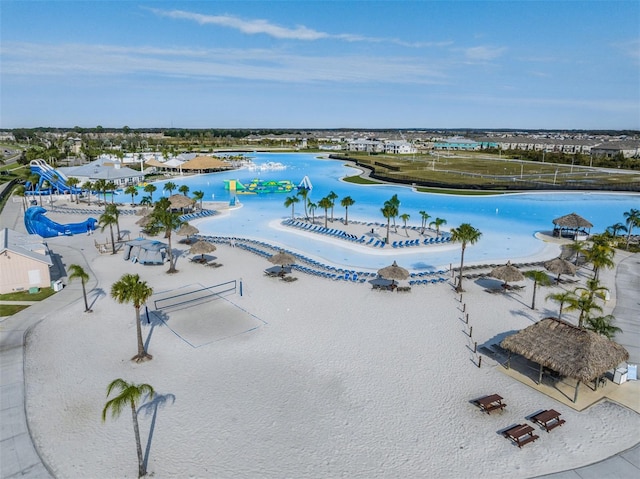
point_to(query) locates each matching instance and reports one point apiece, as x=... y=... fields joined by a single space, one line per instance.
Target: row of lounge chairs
x=337 y=233
x=198 y=214
x=86 y=211
x=418 y=242
x=416 y=282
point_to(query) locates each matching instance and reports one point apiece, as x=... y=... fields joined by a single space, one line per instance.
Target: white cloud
x=630 y=48
x=484 y=53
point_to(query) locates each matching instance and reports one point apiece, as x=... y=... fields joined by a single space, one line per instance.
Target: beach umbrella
x=180 y=201
x=283 y=259
x=143 y=211
x=202 y=247
x=393 y=272
x=144 y=221
x=560 y=266
x=187 y=230
x=507 y=273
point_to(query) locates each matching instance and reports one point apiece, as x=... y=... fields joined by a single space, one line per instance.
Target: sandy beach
x=312 y=378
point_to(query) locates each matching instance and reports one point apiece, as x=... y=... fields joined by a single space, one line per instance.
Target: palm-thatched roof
x=560 y=266
x=205 y=163
x=507 y=273
x=181 y=201
x=393 y=272
x=154 y=162
x=562 y=347
x=572 y=221
x=282 y=258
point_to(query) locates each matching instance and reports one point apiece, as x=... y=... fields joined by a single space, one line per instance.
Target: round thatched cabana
x=571 y=351
x=571 y=226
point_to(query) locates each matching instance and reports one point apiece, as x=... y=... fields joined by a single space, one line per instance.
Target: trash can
x=57 y=285
x=620 y=376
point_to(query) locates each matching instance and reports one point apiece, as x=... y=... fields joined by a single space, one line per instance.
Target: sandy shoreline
x=315 y=378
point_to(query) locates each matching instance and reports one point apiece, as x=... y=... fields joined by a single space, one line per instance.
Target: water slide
x=53 y=177
x=37 y=223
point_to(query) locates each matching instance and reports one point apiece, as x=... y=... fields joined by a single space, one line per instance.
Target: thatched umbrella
x=143 y=211
x=283 y=259
x=187 y=230
x=144 y=221
x=571 y=351
x=181 y=201
x=393 y=272
x=507 y=273
x=201 y=248
x=572 y=222
x=560 y=266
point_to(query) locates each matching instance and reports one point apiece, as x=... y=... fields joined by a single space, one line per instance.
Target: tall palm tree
x=394 y=208
x=304 y=194
x=600 y=255
x=73 y=183
x=346 y=202
x=111 y=186
x=291 y=201
x=633 y=221
x=613 y=229
x=425 y=217
x=562 y=298
x=150 y=189
x=184 y=189
x=133 y=191
x=387 y=211
x=129 y=395
x=108 y=219
x=88 y=186
x=438 y=222
x=465 y=234
x=325 y=204
x=312 y=208
x=585 y=304
x=405 y=217
x=198 y=196
x=146 y=201
x=578 y=248
x=540 y=278
x=113 y=210
x=163 y=218
x=332 y=197
x=78 y=273
x=101 y=187
x=129 y=289
x=602 y=325
x=170 y=186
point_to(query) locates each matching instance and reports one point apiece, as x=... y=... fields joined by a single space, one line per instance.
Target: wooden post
x=479 y=361
x=575 y=396
x=464 y=307
x=475 y=347
x=467 y=318
x=540 y=375
x=461 y=297
x=470 y=331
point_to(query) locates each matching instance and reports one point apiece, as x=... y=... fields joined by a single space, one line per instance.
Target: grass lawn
x=10 y=309
x=26 y=296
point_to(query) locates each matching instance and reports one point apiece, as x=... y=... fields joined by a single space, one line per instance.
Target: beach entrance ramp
x=201 y=315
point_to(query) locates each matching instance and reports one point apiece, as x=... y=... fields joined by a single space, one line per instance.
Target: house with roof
x=24 y=262
x=104 y=168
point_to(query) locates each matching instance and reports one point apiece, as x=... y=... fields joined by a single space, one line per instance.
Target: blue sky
x=329 y=64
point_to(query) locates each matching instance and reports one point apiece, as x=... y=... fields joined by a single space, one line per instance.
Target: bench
x=521 y=434
x=490 y=403
x=548 y=419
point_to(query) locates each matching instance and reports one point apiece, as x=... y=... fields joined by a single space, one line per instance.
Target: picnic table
x=548 y=419
x=521 y=434
x=490 y=403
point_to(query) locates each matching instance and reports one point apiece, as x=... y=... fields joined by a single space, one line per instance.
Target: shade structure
x=507 y=273
x=202 y=247
x=572 y=221
x=187 y=230
x=282 y=259
x=181 y=201
x=205 y=163
x=560 y=266
x=393 y=272
x=143 y=211
x=144 y=221
x=567 y=349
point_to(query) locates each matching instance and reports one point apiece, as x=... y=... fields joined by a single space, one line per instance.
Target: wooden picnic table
x=548 y=419
x=521 y=434
x=490 y=403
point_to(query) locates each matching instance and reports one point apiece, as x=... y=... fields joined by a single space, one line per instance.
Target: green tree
x=633 y=221
x=405 y=217
x=133 y=191
x=332 y=197
x=438 y=222
x=198 y=196
x=600 y=255
x=111 y=187
x=465 y=234
x=394 y=209
x=184 y=189
x=579 y=248
x=615 y=228
x=170 y=186
x=387 y=211
x=129 y=289
x=146 y=201
x=304 y=194
x=540 y=278
x=561 y=298
x=325 y=204
x=73 y=183
x=113 y=210
x=312 y=208
x=101 y=187
x=346 y=202
x=78 y=273
x=425 y=217
x=129 y=395
x=108 y=219
x=603 y=325
x=88 y=187
x=150 y=188
x=291 y=201
x=164 y=218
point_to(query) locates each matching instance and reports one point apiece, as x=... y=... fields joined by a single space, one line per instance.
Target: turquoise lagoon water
x=508 y=222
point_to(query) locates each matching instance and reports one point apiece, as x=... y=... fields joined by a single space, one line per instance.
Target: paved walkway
x=19 y=457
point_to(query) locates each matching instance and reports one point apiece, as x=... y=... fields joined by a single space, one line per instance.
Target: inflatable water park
x=36 y=222
x=257 y=186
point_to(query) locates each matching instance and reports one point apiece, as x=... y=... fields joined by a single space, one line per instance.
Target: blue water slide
x=53 y=177
x=37 y=223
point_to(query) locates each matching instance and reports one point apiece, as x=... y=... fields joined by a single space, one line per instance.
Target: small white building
x=24 y=262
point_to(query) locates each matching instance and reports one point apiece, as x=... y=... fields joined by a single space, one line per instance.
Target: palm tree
x=162 y=217
x=387 y=211
x=111 y=186
x=585 y=305
x=562 y=298
x=184 y=189
x=291 y=201
x=602 y=325
x=425 y=217
x=304 y=194
x=613 y=229
x=113 y=210
x=88 y=186
x=578 y=248
x=101 y=187
x=129 y=395
x=170 y=186
x=465 y=234
x=394 y=208
x=540 y=278
x=133 y=191
x=73 y=183
x=405 y=217
x=78 y=273
x=346 y=202
x=600 y=255
x=332 y=197
x=198 y=196
x=312 y=208
x=150 y=189
x=438 y=222
x=129 y=289
x=325 y=204
x=108 y=219
x=633 y=221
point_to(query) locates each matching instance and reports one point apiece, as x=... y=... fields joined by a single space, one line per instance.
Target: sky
x=320 y=64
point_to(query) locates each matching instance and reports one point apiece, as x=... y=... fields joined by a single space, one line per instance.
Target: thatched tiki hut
x=566 y=349
x=572 y=226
